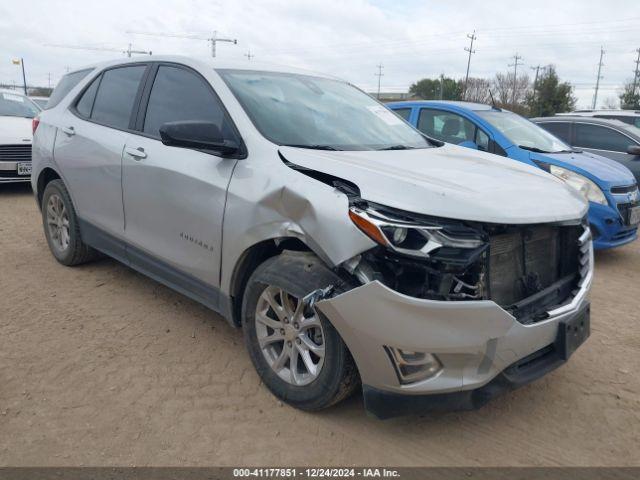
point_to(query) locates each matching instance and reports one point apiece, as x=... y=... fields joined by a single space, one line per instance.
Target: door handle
x=69 y=130
x=136 y=153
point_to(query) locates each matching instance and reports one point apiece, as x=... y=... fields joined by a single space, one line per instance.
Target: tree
x=429 y=89
x=478 y=90
x=503 y=88
x=549 y=96
x=630 y=100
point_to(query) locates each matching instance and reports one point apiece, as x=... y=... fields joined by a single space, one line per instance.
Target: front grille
x=624 y=208
x=15 y=153
x=533 y=267
x=623 y=190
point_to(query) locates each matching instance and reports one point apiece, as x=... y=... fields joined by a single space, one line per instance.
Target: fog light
x=412 y=366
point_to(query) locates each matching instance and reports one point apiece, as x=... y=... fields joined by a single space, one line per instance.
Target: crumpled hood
x=15 y=130
x=450 y=182
x=600 y=168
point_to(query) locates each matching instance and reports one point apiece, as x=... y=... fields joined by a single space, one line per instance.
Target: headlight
x=590 y=190
x=408 y=237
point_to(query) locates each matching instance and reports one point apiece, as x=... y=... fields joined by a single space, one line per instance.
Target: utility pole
x=516 y=63
x=471 y=51
x=379 y=75
x=636 y=75
x=600 y=65
x=535 y=81
x=249 y=55
x=441 y=85
x=24 y=78
x=49 y=79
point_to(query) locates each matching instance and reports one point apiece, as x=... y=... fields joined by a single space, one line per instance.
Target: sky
x=348 y=38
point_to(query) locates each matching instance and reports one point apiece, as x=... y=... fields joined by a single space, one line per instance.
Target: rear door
x=607 y=142
x=174 y=198
x=91 y=138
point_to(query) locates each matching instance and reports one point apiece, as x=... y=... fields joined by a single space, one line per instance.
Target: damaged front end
x=525 y=269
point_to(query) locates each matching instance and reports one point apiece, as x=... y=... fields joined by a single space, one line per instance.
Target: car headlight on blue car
x=586 y=187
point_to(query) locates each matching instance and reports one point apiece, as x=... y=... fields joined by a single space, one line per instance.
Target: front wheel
x=298 y=354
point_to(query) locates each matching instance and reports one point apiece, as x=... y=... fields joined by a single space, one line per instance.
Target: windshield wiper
x=312 y=147
x=569 y=151
x=397 y=147
x=533 y=149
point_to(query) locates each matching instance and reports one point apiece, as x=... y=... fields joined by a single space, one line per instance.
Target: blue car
x=611 y=189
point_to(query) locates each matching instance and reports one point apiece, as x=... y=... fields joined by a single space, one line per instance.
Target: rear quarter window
x=65 y=85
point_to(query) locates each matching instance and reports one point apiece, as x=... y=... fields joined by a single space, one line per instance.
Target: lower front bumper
x=385 y=404
x=608 y=228
x=482 y=348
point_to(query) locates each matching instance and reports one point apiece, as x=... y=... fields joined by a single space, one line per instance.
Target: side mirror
x=468 y=144
x=634 y=150
x=197 y=135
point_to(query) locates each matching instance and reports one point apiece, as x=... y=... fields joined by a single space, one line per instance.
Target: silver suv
x=352 y=250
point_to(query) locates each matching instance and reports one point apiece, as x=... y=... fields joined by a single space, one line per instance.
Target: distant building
x=393 y=96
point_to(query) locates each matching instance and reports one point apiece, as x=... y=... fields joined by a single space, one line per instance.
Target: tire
x=63 y=236
x=297 y=275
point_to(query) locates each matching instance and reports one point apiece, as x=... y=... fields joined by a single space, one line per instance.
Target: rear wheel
x=61 y=227
x=298 y=354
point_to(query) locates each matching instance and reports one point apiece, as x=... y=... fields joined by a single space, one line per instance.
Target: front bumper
x=608 y=227
x=476 y=342
x=9 y=173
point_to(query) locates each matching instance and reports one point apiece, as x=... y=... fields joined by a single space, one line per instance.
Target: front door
x=174 y=198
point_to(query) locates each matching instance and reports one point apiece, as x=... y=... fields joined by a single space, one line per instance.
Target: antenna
x=127 y=51
x=213 y=39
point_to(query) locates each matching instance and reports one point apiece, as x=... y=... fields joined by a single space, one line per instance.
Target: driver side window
x=445 y=126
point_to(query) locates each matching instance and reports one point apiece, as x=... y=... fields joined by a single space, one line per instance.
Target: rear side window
x=116 y=94
x=85 y=105
x=562 y=130
x=65 y=85
x=601 y=138
x=178 y=95
x=403 y=112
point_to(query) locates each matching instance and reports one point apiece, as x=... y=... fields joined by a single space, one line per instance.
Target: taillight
x=34 y=124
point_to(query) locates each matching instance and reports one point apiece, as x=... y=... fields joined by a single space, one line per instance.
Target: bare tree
x=503 y=86
x=478 y=90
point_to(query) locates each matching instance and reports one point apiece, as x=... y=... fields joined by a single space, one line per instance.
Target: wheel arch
x=249 y=260
x=46 y=175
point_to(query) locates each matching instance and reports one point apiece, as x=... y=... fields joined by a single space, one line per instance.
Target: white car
x=40 y=101
x=16 y=131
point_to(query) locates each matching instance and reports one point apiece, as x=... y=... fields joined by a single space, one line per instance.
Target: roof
x=209 y=63
x=588 y=113
x=468 y=105
x=620 y=125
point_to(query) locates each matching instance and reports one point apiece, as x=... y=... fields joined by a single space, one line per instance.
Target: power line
x=515 y=64
x=127 y=51
x=379 y=75
x=600 y=65
x=471 y=51
x=213 y=39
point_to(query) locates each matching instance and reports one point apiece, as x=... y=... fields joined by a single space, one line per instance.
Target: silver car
x=353 y=251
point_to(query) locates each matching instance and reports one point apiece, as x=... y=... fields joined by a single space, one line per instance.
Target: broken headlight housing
x=411 y=237
x=421 y=256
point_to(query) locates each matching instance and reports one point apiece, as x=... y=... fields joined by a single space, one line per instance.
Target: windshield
x=16 y=105
x=524 y=133
x=314 y=112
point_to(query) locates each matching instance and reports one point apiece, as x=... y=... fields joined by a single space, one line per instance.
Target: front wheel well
x=47 y=175
x=250 y=260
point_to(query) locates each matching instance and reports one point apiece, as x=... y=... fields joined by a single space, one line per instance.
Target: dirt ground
x=100 y=365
